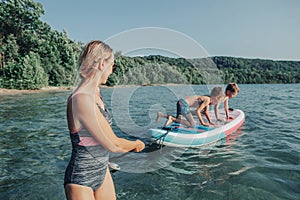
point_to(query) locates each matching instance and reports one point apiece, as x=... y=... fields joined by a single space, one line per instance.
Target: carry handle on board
x=113 y=167
x=167 y=128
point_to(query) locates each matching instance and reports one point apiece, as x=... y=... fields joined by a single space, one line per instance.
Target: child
x=201 y=103
x=231 y=91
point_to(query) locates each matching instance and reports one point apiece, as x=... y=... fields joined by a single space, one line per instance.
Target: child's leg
x=170 y=120
x=161 y=115
x=190 y=121
x=179 y=119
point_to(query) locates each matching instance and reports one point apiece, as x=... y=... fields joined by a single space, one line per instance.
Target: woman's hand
x=139 y=146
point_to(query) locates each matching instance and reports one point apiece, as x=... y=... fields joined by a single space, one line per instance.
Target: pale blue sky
x=242 y=28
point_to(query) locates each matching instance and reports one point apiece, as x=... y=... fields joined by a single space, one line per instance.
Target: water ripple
x=260 y=161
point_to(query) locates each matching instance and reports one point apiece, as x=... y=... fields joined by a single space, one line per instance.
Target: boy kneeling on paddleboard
x=201 y=103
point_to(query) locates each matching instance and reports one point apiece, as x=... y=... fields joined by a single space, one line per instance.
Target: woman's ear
x=101 y=65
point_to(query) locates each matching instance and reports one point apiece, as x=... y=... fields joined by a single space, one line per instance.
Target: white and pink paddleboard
x=177 y=135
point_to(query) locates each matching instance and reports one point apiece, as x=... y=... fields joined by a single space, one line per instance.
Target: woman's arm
x=89 y=115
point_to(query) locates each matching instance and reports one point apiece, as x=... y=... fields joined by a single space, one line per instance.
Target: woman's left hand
x=139 y=146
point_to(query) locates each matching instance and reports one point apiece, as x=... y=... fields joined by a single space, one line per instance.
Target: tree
x=24 y=35
x=25 y=74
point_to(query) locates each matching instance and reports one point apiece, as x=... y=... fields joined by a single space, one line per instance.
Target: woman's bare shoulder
x=81 y=98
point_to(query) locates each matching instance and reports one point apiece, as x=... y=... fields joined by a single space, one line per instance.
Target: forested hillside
x=159 y=70
x=33 y=55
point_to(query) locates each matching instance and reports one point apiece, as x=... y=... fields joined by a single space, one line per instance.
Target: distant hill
x=156 y=69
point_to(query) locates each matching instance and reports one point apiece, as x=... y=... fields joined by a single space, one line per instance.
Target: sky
x=266 y=29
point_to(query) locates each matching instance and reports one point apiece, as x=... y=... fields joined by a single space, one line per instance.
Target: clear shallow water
x=260 y=161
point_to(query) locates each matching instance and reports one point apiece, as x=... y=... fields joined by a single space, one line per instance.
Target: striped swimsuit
x=89 y=159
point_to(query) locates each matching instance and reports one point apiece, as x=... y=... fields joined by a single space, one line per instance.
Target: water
x=260 y=161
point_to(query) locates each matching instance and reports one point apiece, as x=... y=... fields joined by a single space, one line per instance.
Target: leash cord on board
x=160 y=140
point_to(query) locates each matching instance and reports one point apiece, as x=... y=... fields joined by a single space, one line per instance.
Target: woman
x=87 y=175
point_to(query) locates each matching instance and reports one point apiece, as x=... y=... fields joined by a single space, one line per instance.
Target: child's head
x=232 y=90
x=216 y=94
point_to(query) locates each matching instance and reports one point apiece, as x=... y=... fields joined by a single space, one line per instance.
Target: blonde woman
x=87 y=175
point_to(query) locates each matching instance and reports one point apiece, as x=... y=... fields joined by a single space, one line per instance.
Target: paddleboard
x=177 y=135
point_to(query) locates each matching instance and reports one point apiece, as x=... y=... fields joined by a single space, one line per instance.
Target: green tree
x=23 y=35
x=25 y=74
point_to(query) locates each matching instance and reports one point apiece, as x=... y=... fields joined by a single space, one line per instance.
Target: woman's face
x=107 y=69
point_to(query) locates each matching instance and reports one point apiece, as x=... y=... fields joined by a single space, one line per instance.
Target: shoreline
x=4 y=91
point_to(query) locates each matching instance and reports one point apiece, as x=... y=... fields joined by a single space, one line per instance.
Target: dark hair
x=232 y=87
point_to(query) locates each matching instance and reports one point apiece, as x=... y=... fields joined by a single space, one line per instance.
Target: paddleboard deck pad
x=177 y=135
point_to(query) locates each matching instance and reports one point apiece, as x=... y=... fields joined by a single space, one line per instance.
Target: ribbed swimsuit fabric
x=89 y=160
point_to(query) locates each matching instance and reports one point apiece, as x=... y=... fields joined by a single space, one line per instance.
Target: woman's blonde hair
x=90 y=57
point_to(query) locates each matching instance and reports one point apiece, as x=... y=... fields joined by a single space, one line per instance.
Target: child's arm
x=207 y=115
x=216 y=109
x=226 y=108
x=204 y=105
